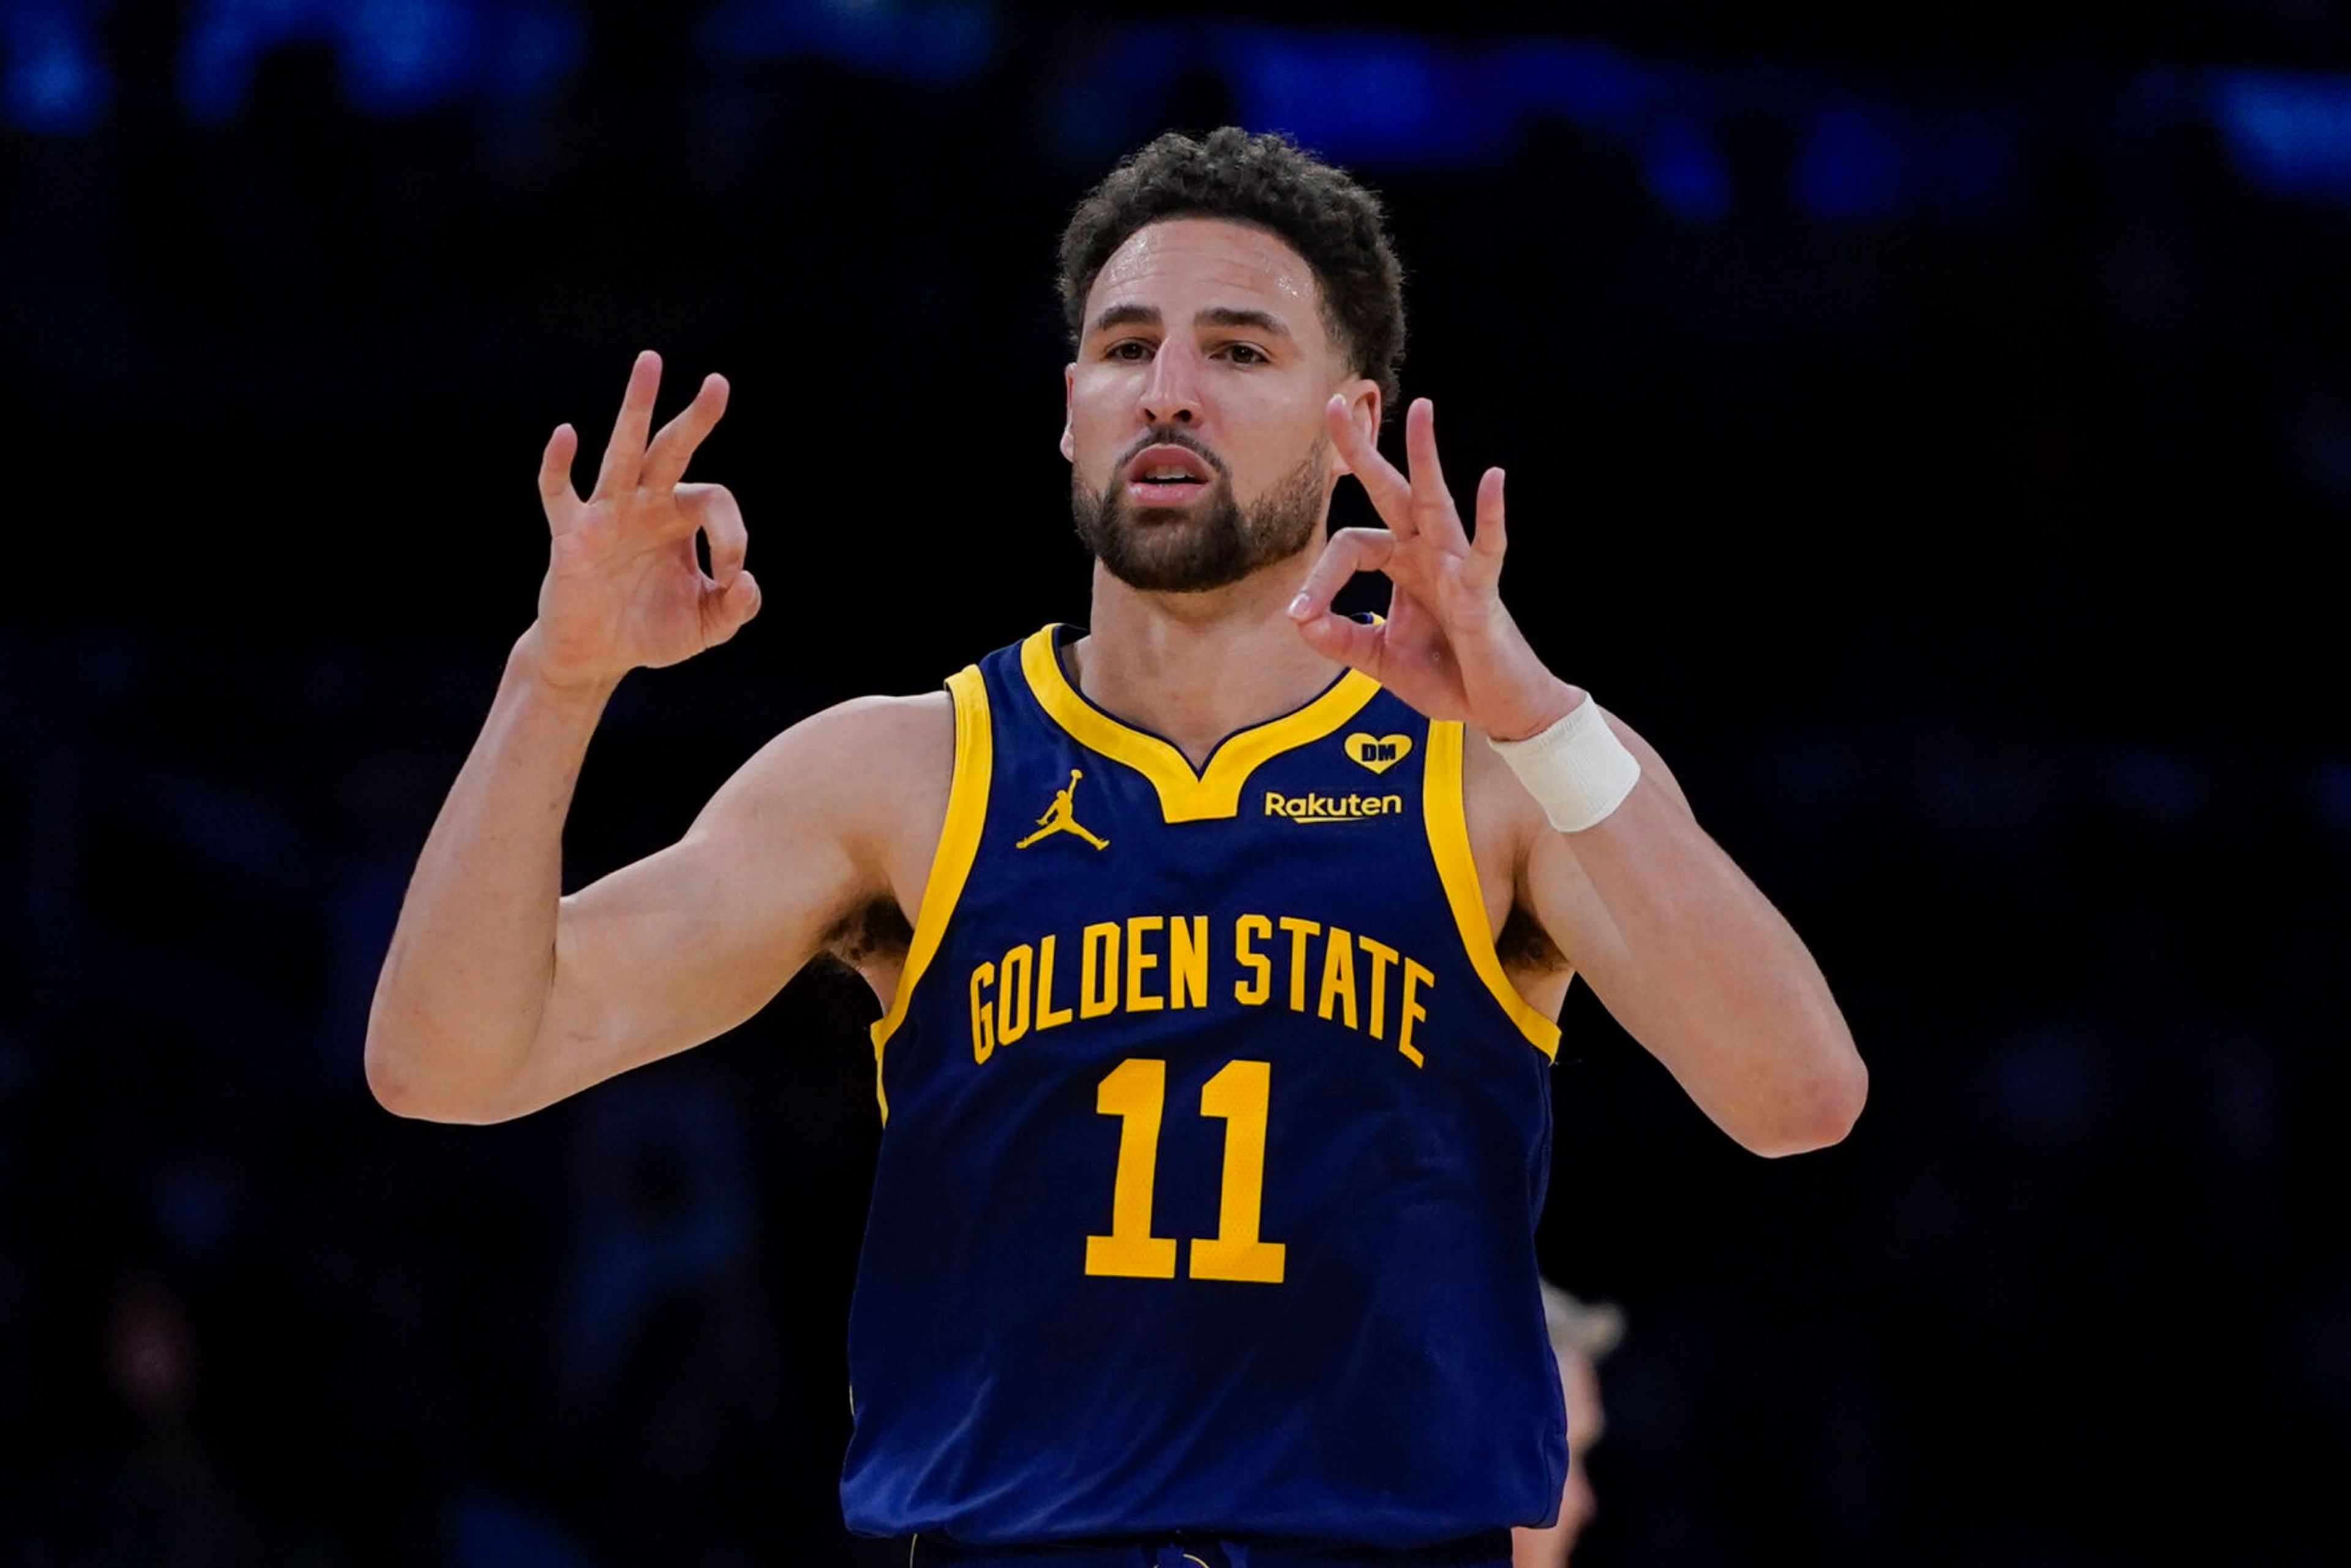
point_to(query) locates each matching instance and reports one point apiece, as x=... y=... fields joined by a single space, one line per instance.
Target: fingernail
x=1298 y=608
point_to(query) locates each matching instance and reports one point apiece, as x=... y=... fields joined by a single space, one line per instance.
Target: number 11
x=1135 y=1091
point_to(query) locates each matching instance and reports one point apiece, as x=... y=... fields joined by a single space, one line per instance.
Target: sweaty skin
x=500 y=994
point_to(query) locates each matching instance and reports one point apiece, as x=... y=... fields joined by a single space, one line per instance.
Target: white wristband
x=1577 y=770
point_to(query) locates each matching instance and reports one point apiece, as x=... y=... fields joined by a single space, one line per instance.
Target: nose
x=1171 y=393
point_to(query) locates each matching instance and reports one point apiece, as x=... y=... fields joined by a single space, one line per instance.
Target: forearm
x=1684 y=950
x=465 y=983
x=1699 y=967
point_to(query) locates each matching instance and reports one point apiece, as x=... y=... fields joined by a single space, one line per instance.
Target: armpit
x=1525 y=947
x=879 y=929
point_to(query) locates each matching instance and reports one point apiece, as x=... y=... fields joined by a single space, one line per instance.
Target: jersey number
x=1136 y=1093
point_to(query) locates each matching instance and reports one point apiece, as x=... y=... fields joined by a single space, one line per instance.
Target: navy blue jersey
x=1214 y=1139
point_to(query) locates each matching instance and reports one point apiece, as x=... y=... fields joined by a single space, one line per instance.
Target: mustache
x=1170 y=436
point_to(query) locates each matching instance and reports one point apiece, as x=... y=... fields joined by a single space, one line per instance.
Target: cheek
x=1095 y=428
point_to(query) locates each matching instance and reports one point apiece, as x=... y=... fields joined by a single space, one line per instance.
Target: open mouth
x=1168 y=475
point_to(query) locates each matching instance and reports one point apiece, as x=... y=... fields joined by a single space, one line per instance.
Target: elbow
x=401 y=1087
x=1818 y=1111
x=394 y=1084
x=388 y=1061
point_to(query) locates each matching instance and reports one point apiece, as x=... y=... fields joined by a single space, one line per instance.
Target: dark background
x=1934 y=433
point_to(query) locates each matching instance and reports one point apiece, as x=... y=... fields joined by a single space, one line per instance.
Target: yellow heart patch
x=1379 y=752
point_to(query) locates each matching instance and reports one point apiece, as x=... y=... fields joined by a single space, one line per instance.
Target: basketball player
x=1218 y=944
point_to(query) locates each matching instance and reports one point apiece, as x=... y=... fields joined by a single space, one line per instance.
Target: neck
x=1196 y=667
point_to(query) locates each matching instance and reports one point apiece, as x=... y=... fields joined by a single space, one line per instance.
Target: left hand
x=1447 y=646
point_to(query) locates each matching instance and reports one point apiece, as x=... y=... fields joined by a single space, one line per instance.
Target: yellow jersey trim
x=1185 y=796
x=975 y=761
x=1448 y=840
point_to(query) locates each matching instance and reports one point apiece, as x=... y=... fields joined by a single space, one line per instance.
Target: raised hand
x=1447 y=646
x=623 y=586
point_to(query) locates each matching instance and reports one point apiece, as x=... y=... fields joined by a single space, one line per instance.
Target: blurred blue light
x=1852 y=165
x=54 y=83
x=226 y=38
x=1372 y=97
x=1400 y=99
x=1101 y=112
x=1685 y=173
x=531 y=47
x=396 y=57
x=2289 y=133
x=1590 y=84
x=400 y=56
x=930 y=40
x=1355 y=95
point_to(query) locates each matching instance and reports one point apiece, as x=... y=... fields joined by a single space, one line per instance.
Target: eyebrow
x=1227 y=316
x=1127 y=315
x=1133 y=314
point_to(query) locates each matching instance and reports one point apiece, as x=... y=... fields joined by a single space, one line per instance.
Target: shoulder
x=850 y=798
x=871 y=760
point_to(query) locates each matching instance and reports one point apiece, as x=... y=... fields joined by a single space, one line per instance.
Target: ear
x=1069 y=382
x=1362 y=395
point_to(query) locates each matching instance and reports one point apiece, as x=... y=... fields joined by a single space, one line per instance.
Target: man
x=1215 y=1133
x=1582 y=1334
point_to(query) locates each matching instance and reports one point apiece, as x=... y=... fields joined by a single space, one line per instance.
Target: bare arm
x=463 y=988
x=1686 y=953
x=689 y=942
x=498 y=995
x=1692 y=959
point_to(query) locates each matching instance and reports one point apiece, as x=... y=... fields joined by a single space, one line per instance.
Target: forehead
x=1180 y=264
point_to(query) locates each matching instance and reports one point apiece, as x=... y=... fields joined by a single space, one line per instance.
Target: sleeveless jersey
x=1214 y=1140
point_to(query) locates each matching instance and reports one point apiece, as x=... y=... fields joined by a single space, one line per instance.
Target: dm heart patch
x=1379 y=752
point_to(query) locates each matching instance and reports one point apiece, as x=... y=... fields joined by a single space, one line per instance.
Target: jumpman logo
x=1060 y=818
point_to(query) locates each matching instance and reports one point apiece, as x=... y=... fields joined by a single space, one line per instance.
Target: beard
x=1212 y=542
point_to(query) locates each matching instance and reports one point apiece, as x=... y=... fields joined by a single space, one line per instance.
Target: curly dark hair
x=1318 y=210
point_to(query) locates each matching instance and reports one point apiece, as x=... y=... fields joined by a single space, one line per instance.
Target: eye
x=1131 y=350
x=1246 y=354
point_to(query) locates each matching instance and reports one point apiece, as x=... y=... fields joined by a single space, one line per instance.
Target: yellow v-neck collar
x=1185 y=796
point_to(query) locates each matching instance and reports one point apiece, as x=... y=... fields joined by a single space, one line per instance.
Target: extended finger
x=1391 y=492
x=665 y=460
x=1350 y=550
x=1491 y=540
x=1432 y=503
x=555 y=470
x=714 y=510
x=625 y=454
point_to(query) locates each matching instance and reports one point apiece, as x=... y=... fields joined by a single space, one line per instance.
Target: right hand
x=623 y=587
